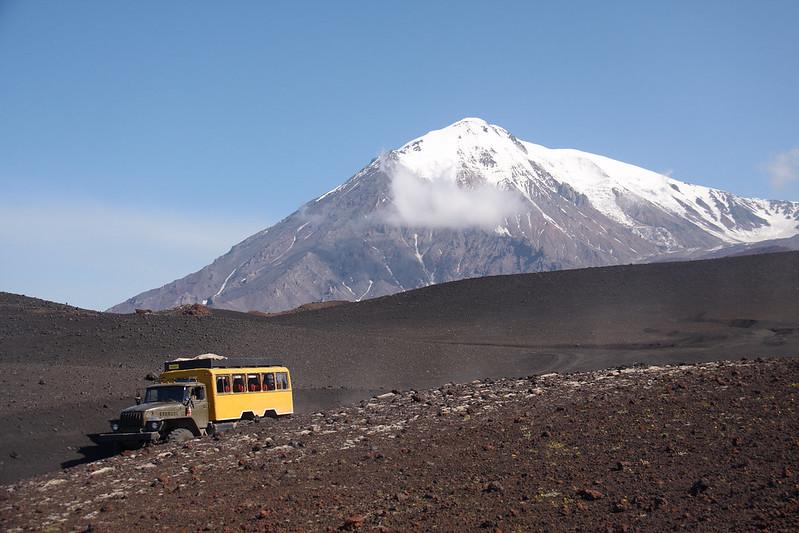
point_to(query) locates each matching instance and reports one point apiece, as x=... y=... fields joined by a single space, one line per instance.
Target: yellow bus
x=236 y=389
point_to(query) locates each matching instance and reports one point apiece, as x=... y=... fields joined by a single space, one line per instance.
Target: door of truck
x=199 y=406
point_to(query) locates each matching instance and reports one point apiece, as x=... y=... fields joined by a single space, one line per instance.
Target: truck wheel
x=179 y=435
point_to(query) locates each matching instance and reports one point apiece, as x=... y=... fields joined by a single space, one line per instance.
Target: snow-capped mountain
x=465 y=201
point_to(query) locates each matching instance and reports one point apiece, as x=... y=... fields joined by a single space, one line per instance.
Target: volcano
x=472 y=200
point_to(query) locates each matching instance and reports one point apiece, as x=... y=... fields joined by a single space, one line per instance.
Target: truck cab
x=174 y=412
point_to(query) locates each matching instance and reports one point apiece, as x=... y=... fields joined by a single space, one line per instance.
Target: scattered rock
x=494 y=486
x=353 y=522
x=621 y=466
x=590 y=494
x=53 y=483
x=699 y=486
x=621 y=505
x=195 y=310
x=660 y=503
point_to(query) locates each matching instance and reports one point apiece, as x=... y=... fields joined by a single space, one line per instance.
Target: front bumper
x=137 y=437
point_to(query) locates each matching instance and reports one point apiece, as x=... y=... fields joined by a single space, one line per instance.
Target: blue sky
x=139 y=140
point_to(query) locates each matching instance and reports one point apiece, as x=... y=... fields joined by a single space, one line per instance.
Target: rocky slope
x=467 y=201
x=65 y=371
x=710 y=447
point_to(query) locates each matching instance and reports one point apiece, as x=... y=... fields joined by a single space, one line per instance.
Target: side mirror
x=138 y=398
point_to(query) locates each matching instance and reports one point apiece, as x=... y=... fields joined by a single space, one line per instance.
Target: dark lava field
x=64 y=371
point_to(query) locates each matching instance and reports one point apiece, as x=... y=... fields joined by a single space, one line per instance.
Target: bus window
x=282 y=380
x=253 y=383
x=269 y=381
x=238 y=383
x=222 y=383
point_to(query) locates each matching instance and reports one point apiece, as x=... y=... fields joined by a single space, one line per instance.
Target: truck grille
x=134 y=419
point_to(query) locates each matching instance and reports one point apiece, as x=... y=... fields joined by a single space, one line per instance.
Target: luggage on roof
x=188 y=364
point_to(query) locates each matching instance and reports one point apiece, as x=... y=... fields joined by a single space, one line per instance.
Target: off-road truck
x=174 y=412
x=202 y=395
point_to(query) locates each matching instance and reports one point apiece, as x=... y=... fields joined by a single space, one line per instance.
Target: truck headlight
x=114 y=426
x=154 y=425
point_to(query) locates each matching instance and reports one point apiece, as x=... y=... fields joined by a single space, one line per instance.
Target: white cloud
x=62 y=224
x=97 y=255
x=783 y=168
x=438 y=202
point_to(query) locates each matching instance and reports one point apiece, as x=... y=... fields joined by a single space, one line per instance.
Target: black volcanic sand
x=65 y=371
x=708 y=447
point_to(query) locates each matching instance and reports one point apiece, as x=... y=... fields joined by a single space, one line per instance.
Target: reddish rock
x=353 y=522
x=621 y=505
x=590 y=494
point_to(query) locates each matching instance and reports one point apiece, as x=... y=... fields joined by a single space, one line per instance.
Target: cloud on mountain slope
x=438 y=201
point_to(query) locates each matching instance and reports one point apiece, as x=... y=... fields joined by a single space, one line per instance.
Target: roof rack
x=191 y=364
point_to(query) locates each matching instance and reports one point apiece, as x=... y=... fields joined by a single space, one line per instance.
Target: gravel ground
x=65 y=371
x=707 y=447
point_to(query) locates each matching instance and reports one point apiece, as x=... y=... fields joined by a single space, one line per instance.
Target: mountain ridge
x=471 y=200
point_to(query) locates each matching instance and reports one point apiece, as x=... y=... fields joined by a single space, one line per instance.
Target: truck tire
x=180 y=435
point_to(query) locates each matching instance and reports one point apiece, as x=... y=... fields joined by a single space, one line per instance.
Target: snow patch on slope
x=473 y=155
x=224 y=283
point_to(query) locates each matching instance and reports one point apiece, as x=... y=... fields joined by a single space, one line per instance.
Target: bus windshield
x=177 y=393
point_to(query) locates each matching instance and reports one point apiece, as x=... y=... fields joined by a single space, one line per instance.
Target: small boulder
x=621 y=505
x=494 y=486
x=699 y=486
x=352 y=523
x=590 y=494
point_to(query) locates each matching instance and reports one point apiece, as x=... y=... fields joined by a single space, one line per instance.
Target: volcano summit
x=472 y=200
